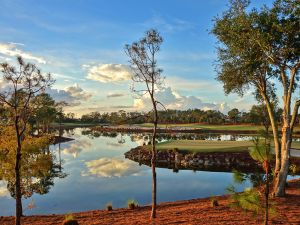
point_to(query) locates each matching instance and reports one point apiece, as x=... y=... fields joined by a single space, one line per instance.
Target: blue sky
x=82 y=41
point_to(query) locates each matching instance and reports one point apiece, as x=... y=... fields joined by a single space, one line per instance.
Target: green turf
x=205 y=126
x=205 y=146
x=210 y=146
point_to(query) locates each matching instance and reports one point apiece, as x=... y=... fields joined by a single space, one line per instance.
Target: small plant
x=132 y=204
x=70 y=220
x=214 y=202
x=109 y=206
x=293 y=169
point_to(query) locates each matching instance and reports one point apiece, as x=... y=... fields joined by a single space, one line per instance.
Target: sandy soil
x=197 y=211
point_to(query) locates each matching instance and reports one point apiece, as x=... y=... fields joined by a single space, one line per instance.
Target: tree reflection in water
x=39 y=167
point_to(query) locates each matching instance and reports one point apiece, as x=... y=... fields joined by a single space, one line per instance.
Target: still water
x=98 y=173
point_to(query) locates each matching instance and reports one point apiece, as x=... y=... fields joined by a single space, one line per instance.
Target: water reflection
x=112 y=167
x=3 y=189
x=98 y=173
x=77 y=147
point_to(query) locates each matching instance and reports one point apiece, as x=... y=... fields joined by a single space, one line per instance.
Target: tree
x=234 y=115
x=258 y=47
x=45 y=111
x=262 y=153
x=143 y=62
x=259 y=115
x=24 y=81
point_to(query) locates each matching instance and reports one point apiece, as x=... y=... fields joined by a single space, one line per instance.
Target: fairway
x=204 y=126
x=210 y=146
x=205 y=146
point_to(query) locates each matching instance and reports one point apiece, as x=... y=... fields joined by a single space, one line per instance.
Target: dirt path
x=198 y=211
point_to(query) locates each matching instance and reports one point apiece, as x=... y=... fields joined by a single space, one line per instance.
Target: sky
x=81 y=43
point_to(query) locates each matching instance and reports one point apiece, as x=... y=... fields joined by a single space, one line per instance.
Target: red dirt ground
x=197 y=211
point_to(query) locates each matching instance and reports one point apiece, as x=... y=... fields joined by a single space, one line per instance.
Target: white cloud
x=10 y=49
x=72 y=95
x=78 y=93
x=107 y=73
x=173 y=100
x=115 y=95
x=112 y=167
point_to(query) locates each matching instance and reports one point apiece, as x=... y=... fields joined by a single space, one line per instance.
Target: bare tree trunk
x=153 y=161
x=19 y=210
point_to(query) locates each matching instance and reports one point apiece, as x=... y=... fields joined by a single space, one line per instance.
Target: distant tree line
x=256 y=115
x=45 y=111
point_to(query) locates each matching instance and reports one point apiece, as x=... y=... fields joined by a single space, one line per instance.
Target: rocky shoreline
x=204 y=161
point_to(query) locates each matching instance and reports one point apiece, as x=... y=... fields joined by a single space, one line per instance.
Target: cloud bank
x=72 y=95
x=11 y=49
x=173 y=100
x=109 y=73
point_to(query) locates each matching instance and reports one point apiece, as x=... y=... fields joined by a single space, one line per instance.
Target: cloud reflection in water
x=75 y=148
x=3 y=190
x=112 y=167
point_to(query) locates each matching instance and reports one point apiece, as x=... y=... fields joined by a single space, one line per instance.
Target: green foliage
x=239 y=177
x=260 y=152
x=249 y=200
x=293 y=169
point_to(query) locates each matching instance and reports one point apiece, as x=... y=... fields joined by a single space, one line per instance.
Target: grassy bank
x=238 y=127
x=243 y=127
x=72 y=125
x=210 y=146
x=205 y=146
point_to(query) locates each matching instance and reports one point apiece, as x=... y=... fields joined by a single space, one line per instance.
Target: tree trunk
x=275 y=134
x=153 y=161
x=280 y=180
x=19 y=210
x=267 y=190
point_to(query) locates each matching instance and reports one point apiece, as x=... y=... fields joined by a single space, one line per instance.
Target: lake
x=98 y=173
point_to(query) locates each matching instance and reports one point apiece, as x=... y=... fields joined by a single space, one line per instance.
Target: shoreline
x=194 y=211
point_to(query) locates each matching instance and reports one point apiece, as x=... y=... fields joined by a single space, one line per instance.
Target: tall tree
x=45 y=111
x=257 y=48
x=143 y=62
x=24 y=81
x=234 y=115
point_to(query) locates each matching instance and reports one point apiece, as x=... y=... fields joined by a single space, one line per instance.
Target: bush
x=70 y=220
x=109 y=207
x=132 y=204
x=214 y=202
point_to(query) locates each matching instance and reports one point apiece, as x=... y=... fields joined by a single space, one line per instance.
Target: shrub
x=70 y=220
x=214 y=202
x=132 y=204
x=109 y=206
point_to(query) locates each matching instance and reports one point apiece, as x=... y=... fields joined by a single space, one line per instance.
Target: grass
x=71 y=124
x=238 y=127
x=243 y=127
x=209 y=146
x=205 y=146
